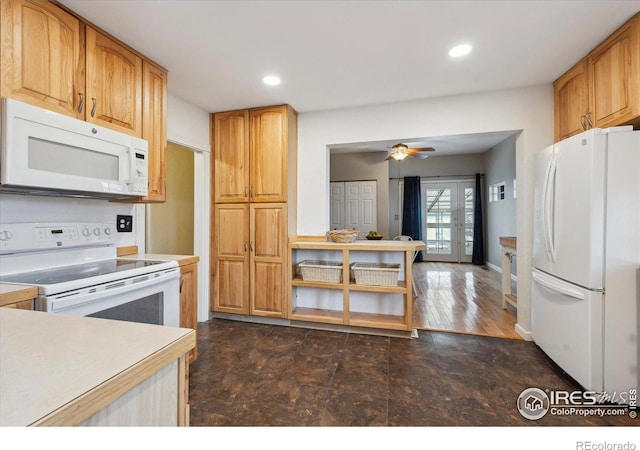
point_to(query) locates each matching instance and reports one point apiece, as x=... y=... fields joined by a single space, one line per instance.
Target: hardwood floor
x=461 y=298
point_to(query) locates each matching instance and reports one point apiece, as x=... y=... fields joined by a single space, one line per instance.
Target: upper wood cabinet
x=114 y=84
x=53 y=59
x=614 y=75
x=251 y=153
x=231 y=156
x=571 y=101
x=603 y=89
x=269 y=145
x=42 y=56
x=154 y=128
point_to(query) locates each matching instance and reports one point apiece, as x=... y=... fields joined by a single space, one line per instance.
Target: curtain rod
x=441 y=176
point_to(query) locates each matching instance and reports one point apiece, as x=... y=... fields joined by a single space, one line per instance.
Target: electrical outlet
x=124 y=223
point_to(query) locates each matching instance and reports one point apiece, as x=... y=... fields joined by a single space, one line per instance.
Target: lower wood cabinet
x=249 y=259
x=189 y=301
x=25 y=304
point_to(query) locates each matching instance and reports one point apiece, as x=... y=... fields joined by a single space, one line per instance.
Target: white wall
x=529 y=109
x=188 y=126
x=500 y=163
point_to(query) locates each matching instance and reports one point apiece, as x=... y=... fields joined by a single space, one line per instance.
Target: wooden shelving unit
x=347 y=315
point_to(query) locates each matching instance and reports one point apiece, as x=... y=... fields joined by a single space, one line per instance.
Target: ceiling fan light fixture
x=399 y=152
x=399 y=156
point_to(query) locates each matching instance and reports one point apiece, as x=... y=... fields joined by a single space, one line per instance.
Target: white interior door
x=447 y=218
x=358 y=206
x=336 y=191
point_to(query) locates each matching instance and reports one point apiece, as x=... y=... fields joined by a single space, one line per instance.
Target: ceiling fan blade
x=422 y=149
x=421 y=153
x=388 y=157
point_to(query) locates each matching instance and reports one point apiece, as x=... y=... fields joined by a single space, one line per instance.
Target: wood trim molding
x=124 y=251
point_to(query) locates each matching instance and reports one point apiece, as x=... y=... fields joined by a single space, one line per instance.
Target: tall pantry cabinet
x=254 y=194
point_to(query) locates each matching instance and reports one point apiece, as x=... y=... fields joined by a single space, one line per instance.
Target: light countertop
x=52 y=360
x=362 y=244
x=183 y=260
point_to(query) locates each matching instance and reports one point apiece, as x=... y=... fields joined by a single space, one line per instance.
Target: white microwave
x=47 y=153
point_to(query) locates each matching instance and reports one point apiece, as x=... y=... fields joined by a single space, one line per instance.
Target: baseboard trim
x=495 y=268
x=526 y=335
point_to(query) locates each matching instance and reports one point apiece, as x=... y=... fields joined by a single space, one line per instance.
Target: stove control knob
x=107 y=231
x=96 y=231
x=5 y=235
x=86 y=232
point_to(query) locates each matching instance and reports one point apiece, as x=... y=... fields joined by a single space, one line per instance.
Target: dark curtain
x=412 y=211
x=478 y=231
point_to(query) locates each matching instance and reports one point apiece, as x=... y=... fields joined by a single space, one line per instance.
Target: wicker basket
x=343 y=236
x=376 y=274
x=324 y=271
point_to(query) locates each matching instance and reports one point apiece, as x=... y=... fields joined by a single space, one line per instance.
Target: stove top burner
x=77 y=271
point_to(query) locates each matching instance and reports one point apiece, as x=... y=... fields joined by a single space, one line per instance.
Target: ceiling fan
x=401 y=151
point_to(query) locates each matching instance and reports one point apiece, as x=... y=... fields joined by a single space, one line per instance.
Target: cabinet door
x=42 y=61
x=231 y=259
x=268 y=259
x=269 y=139
x=189 y=301
x=154 y=129
x=614 y=69
x=114 y=85
x=231 y=156
x=571 y=102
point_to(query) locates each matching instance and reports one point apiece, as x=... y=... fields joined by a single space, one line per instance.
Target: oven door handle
x=94 y=293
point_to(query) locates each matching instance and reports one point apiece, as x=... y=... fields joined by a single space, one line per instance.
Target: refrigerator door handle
x=551 y=194
x=544 y=210
x=561 y=289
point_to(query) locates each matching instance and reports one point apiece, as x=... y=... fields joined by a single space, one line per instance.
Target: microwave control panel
x=139 y=172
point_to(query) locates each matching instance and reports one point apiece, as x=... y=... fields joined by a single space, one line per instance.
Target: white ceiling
x=339 y=54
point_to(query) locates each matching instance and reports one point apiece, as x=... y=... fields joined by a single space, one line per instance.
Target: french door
x=447 y=220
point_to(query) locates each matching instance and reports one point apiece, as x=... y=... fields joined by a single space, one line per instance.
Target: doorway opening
x=170 y=225
x=447 y=219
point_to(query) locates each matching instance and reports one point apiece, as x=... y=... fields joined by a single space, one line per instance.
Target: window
x=496 y=192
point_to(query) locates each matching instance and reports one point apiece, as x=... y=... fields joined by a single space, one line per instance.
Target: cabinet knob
x=93 y=109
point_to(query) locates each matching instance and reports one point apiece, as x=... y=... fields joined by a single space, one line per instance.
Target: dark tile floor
x=251 y=374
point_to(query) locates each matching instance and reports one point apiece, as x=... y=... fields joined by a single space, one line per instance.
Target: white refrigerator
x=586 y=257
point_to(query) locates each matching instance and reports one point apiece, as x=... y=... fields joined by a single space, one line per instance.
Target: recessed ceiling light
x=459 y=50
x=271 y=80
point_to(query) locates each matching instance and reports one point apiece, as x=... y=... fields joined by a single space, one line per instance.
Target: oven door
x=151 y=298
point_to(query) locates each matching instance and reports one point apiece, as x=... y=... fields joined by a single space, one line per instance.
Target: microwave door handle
x=132 y=165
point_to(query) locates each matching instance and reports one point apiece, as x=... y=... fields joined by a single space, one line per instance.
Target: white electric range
x=77 y=272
